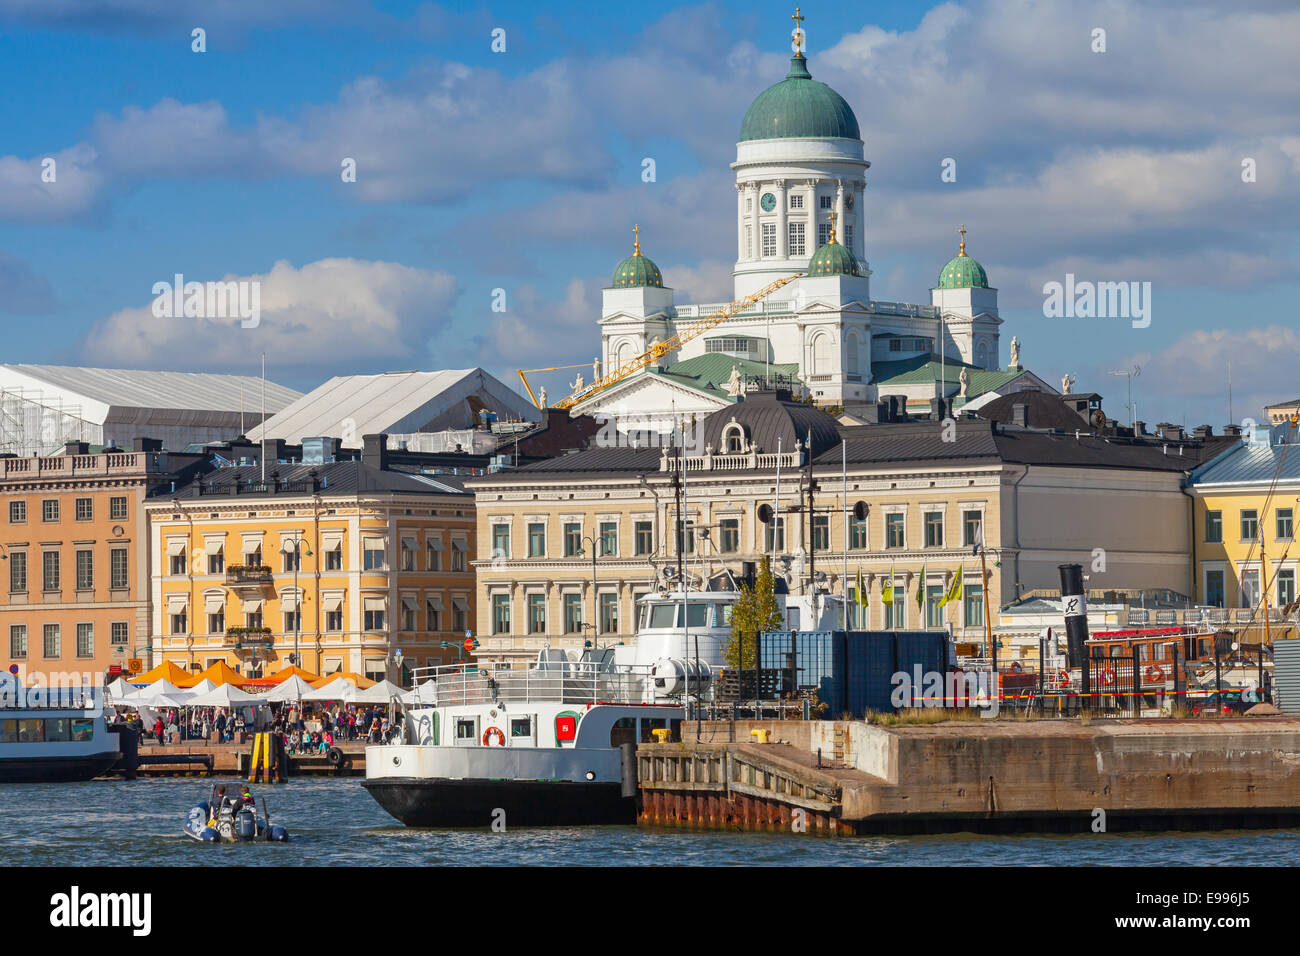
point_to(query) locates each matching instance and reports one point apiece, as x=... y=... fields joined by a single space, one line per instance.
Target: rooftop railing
x=569 y=683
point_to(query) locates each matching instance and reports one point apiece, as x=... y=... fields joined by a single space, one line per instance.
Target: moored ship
x=54 y=741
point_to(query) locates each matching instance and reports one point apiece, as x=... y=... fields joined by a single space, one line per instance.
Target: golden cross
x=832 y=225
x=798 y=30
x=961 y=251
x=636 y=240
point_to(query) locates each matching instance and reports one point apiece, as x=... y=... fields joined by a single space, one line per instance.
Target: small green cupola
x=833 y=259
x=637 y=270
x=963 y=272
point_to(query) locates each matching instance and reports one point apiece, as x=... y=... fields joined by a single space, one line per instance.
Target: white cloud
x=26 y=198
x=333 y=312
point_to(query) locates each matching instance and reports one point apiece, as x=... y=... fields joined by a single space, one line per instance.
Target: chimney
x=1020 y=415
x=76 y=448
x=272 y=449
x=1232 y=431
x=146 y=444
x=1139 y=429
x=1202 y=432
x=374 y=451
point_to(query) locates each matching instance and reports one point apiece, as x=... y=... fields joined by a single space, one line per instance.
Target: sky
x=1170 y=157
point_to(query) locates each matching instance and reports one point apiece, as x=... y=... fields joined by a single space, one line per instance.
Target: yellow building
x=1245 y=505
x=928 y=487
x=344 y=565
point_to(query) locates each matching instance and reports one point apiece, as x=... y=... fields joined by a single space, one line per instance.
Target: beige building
x=349 y=564
x=1041 y=498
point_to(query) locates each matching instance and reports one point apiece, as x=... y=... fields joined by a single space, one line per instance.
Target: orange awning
x=169 y=671
x=361 y=682
x=221 y=673
x=281 y=676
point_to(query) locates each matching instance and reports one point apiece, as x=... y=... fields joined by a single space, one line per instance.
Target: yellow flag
x=864 y=598
x=887 y=593
x=954 y=589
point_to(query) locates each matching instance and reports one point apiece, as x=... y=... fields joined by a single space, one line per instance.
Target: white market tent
x=150 y=694
x=426 y=693
x=380 y=693
x=341 y=689
x=119 y=689
x=202 y=687
x=294 y=688
x=224 y=695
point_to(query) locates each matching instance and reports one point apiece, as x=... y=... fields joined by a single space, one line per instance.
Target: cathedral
x=800 y=178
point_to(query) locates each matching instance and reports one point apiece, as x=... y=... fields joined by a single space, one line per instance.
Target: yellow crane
x=655 y=352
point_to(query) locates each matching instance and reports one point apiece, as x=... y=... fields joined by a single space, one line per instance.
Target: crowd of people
x=307 y=729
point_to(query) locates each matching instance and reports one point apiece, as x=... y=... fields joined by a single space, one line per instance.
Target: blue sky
x=521 y=170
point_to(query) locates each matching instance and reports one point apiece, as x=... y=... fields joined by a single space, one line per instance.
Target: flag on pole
x=863 y=597
x=954 y=589
x=979 y=537
x=887 y=593
x=920 y=591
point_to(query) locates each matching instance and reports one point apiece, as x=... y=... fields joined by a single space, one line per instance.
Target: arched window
x=821 y=355
x=733 y=440
x=982 y=354
x=623 y=355
x=851 y=354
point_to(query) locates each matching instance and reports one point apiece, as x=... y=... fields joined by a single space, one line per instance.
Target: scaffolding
x=33 y=423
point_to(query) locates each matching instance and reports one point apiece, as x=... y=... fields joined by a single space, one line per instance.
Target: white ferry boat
x=540 y=745
x=55 y=744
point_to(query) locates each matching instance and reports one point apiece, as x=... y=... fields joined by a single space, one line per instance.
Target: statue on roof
x=1066 y=381
x=541 y=398
x=1015 y=352
x=964 y=380
x=577 y=386
x=595 y=369
x=735 y=386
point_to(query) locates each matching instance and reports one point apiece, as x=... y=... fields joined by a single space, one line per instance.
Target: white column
x=755 y=239
x=740 y=220
x=782 y=245
x=839 y=212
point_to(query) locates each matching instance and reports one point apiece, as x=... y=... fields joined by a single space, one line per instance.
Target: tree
x=755 y=610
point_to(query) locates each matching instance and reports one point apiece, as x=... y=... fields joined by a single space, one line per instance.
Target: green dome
x=799 y=107
x=963 y=272
x=636 y=271
x=833 y=259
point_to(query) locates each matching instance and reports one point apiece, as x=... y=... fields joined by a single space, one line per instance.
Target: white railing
x=569 y=683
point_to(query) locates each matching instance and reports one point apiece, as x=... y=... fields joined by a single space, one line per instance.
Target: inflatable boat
x=231 y=820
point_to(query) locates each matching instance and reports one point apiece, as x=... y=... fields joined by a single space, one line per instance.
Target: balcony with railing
x=249 y=576
x=245 y=636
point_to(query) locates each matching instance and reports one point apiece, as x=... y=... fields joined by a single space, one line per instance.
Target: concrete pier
x=233 y=760
x=995 y=776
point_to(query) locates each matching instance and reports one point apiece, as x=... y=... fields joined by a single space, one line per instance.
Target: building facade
x=358 y=565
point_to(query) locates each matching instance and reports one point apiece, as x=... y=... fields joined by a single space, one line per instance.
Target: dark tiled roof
x=913 y=441
x=767 y=419
x=336 y=478
x=1043 y=411
x=1042 y=448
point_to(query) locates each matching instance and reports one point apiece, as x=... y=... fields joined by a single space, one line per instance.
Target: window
x=85 y=640
x=796 y=201
x=729 y=535
x=537 y=614
x=745 y=346
x=253 y=618
x=749 y=241
x=292 y=621
x=117 y=568
x=1249 y=524
x=749 y=204
x=50 y=571
x=537 y=540
x=433 y=613
x=1213 y=527
x=408 y=554
x=410 y=615
x=896 y=613
x=334 y=558
x=291 y=553
x=848 y=237
x=334 y=620
x=216 y=560
x=50 y=509
x=52 y=645
x=970 y=527
x=933 y=612
x=117 y=508
x=374 y=555
x=798 y=246
x=1284 y=524
x=821 y=532
x=821 y=355
x=609 y=538
x=521 y=727
x=459 y=615
x=501 y=541
x=85 y=571
x=217 y=622
x=894 y=537
x=823 y=233
x=177 y=563
x=973 y=604
x=374 y=617
x=17 y=512
x=857 y=613
x=572 y=613
x=684 y=535
x=180 y=622
x=857 y=532
x=18 y=641
x=777 y=526
x=432 y=554
x=768 y=234
x=501 y=614
x=1250 y=588
x=825 y=202
x=934 y=529
x=572 y=539
x=466 y=729
x=609 y=613
x=645 y=537
x=85 y=509
x=18 y=571
x=458 y=551
x=1285 y=586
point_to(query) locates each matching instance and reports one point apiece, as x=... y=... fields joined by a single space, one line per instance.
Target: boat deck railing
x=572 y=683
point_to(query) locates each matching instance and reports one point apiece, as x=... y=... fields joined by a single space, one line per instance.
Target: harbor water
x=334 y=823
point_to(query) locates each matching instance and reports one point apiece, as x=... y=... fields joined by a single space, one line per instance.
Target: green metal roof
x=709 y=373
x=799 y=107
x=635 y=271
x=923 y=370
x=963 y=272
x=833 y=259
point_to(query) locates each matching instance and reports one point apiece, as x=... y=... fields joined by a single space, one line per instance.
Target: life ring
x=1015 y=667
x=1155 y=673
x=1062 y=677
x=501 y=738
x=1106 y=676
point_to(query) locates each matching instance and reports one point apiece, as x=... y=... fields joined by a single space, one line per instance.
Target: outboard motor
x=246 y=824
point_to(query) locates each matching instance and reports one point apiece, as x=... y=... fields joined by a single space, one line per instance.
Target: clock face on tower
x=768 y=202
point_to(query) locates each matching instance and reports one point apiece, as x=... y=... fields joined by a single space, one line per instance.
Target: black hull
x=457 y=804
x=56 y=769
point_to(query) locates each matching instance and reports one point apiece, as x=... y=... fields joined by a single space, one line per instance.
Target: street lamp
x=297 y=550
x=595 y=620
